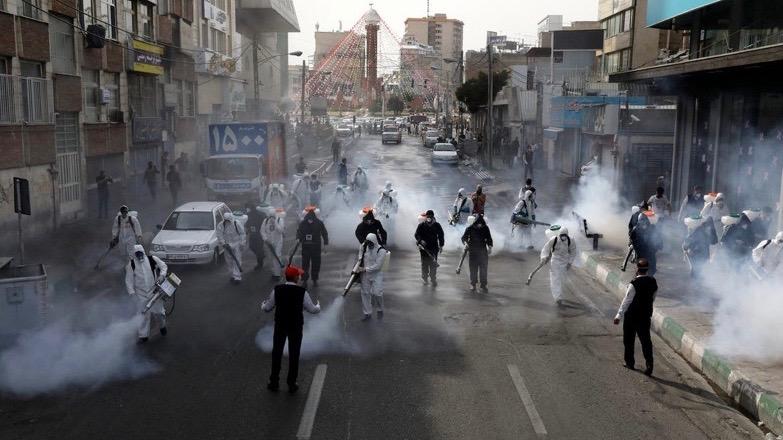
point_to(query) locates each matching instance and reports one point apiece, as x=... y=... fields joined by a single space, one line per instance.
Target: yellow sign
x=147 y=57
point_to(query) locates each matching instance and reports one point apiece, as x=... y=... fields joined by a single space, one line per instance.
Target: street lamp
x=256 y=63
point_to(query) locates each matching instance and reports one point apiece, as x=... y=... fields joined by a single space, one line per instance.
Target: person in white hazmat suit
x=524 y=212
x=141 y=274
x=273 y=232
x=461 y=209
x=715 y=207
x=372 y=276
x=231 y=237
x=768 y=255
x=126 y=231
x=560 y=252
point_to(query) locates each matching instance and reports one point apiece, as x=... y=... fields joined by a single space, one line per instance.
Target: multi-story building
x=443 y=34
x=728 y=98
x=628 y=42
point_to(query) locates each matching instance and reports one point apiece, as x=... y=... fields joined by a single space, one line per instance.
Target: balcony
x=25 y=100
x=266 y=16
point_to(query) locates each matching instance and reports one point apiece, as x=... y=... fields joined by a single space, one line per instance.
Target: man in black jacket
x=310 y=233
x=429 y=235
x=479 y=241
x=637 y=310
x=370 y=225
x=288 y=300
x=255 y=218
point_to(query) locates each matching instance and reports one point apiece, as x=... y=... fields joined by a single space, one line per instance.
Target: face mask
x=124 y=214
x=429 y=220
x=139 y=255
x=370 y=245
x=563 y=237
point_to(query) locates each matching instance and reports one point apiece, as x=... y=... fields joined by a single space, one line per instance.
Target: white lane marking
x=530 y=407
x=311 y=407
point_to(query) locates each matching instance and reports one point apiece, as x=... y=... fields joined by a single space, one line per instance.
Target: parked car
x=391 y=134
x=444 y=153
x=431 y=138
x=344 y=131
x=188 y=236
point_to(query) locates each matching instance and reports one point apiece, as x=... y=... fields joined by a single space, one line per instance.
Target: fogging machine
x=164 y=290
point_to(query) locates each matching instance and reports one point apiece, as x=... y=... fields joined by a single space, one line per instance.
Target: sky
x=515 y=18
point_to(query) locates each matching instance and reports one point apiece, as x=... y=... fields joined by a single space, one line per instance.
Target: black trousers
x=257 y=246
x=428 y=267
x=294 y=337
x=478 y=261
x=633 y=327
x=311 y=263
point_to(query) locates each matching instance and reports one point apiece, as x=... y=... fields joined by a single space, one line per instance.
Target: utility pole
x=490 y=122
x=302 y=104
x=256 y=94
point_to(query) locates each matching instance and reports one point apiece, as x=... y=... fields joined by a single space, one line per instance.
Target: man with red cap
x=288 y=300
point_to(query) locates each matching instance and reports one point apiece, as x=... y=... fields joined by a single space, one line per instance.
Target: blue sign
x=567 y=111
x=238 y=139
x=659 y=11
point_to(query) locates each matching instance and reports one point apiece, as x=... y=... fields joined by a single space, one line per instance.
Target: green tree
x=473 y=92
x=395 y=104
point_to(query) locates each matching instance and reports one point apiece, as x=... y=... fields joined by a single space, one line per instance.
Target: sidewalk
x=686 y=325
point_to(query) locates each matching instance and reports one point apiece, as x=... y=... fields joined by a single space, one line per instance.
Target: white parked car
x=431 y=138
x=344 y=131
x=444 y=153
x=189 y=236
x=391 y=134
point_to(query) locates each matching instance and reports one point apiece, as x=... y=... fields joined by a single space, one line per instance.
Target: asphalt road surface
x=444 y=363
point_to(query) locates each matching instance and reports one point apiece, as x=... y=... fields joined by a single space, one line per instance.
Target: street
x=443 y=362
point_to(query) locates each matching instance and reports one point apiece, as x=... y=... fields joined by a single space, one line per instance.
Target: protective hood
x=752 y=214
x=138 y=248
x=388 y=186
x=635 y=209
x=779 y=237
x=729 y=220
x=280 y=213
x=553 y=231
x=528 y=195
x=461 y=192
x=228 y=216
x=372 y=238
x=471 y=220
x=710 y=197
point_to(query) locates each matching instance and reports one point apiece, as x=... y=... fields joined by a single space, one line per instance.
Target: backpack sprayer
x=164 y=290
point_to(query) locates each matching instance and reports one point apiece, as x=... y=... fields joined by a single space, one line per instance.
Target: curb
x=753 y=398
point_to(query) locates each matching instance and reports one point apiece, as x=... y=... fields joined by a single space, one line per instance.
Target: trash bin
x=23 y=299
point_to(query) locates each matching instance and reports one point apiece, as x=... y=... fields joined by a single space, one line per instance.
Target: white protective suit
x=462 y=207
x=127 y=231
x=273 y=231
x=360 y=180
x=140 y=284
x=561 y=252
x=231 y=233
x=372 y=277
x=769 y=253
x=525 y=207
x=716 y=211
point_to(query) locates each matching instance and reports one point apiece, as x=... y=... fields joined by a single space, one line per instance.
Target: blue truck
x=244 y=158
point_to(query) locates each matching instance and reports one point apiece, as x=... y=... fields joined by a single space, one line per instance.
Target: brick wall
x=114 y=58
x=35 y=39
x=186 y=129
x=67 y=93
x=92 y=58
x=7 y=36
x=11 y=146
x=40 y=144
x=183 y=67
x=164 y=29
x=65 y=7
x=103 y=139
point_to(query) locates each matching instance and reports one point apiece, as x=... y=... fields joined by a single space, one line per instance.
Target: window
x=139 y=17
x=618 y=23
x=7 y=105
x=109 y=17
x=90 y=84
x=61 y=41
x=186 y=100
x=30 y=8
x=147 y=17
x=218 y=40
x=66 y=135
x=619 y=61
x=131 y=15
x=204 y=35
x=35 y=93
x=111 y=83
x=142 y=95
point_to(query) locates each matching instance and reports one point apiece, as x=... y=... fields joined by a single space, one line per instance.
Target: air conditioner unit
x=96 y=36
x=116 y=116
